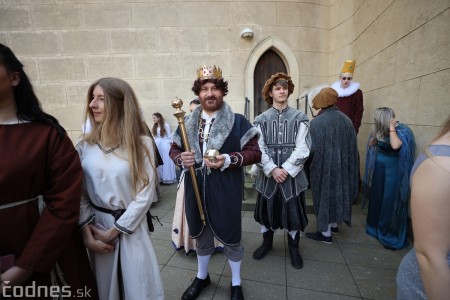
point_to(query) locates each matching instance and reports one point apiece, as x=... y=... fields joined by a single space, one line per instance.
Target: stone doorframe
x=289 y=59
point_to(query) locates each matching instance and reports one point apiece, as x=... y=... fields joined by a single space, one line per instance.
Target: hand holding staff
x=179 y=114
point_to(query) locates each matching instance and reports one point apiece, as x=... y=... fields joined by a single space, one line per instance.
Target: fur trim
x=251 y=133
x=352 y=88
x=221 y=128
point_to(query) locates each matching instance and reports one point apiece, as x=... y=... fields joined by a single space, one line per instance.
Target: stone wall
x=156 y=46
x=402 y=57
x=401 y=48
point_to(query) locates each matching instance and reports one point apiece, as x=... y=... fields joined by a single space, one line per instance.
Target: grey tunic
x=285 y=142
x=334 y=167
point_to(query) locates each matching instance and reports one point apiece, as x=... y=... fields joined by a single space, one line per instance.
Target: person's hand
x=279 y=175
x=106 y=236
x=392 y=124
x=215 y=165
x=15 y=275
x=99 y=247
x=187 y=158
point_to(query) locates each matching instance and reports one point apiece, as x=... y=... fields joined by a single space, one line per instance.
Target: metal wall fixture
x=247 y=33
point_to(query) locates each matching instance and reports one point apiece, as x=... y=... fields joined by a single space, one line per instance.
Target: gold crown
x=209 y=72
x=349 y=67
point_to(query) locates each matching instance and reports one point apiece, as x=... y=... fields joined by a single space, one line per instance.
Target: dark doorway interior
x=268 y=64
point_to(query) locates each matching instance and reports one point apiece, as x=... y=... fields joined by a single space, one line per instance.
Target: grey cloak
x=334 y=167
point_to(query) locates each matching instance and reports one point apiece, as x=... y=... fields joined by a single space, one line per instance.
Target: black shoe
x=318 y=236
x=194 y=290
x=265 y=247
x=236 y=293
x=335 y=230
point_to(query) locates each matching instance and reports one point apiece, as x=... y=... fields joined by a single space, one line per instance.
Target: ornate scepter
x=179 y=114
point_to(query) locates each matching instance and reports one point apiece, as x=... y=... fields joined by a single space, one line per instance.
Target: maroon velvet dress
x=353 y=107
x=34 y=161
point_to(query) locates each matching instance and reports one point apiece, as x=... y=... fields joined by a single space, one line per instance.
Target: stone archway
x=269 y=63
x=288 y=57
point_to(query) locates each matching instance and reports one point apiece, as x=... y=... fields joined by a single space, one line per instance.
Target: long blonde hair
x=122 y=126
x=382 y=117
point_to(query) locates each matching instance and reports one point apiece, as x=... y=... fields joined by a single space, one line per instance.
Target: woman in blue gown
x=389 y=159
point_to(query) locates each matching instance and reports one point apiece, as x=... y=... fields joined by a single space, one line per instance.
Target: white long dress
x=166 y=172
x=107 y=184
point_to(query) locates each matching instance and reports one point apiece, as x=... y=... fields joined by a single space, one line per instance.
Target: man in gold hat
x=334 y=167
x=213 y=125
x=285 y=144
x=350 y=100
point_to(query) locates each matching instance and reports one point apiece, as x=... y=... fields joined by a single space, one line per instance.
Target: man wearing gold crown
x=285 y=142
x=213 y=125
x=350 y=100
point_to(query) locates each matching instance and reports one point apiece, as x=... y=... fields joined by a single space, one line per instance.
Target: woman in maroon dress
x=40 y=192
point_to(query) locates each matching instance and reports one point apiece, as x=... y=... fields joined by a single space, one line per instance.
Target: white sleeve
x=294 y=164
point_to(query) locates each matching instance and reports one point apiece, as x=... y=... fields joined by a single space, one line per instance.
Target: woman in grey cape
x=334 y=167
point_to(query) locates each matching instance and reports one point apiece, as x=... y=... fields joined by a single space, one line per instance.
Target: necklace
x=204 y=136
x=106 y=151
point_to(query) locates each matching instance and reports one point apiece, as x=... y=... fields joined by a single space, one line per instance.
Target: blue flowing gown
x=384 y=198
x=387 y=176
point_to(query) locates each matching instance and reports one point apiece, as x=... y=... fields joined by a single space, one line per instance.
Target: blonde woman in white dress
x=119 y=188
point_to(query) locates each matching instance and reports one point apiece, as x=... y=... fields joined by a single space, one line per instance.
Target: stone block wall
x=402 y=57
x=401 y=48
x=156 y=46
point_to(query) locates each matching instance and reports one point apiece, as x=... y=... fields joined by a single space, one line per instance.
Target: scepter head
x=177 y=103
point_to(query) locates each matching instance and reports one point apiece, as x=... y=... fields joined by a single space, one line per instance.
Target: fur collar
x=352 y=88
x=220 y=130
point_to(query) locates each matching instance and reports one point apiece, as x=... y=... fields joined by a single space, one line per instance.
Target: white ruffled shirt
x=345 y=92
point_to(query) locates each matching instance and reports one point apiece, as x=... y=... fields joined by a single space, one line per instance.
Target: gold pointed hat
x=349 y=67
x=209 y=72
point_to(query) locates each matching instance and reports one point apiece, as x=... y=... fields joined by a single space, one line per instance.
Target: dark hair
x=161 y=122
x=219 y=83
x=28 y=105
x=195 y=101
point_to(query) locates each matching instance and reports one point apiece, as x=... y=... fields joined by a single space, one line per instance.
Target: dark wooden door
x=268 y=64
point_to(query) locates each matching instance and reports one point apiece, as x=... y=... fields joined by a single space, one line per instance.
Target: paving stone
x=323 y=277
x=163 y=250
x=314 y=250
x=271 y=269
x=251 y=289
x=163 y=232
x=372 y=256
x=295 y=293
x=355 y=266
x=217 y=262
x=375 y=283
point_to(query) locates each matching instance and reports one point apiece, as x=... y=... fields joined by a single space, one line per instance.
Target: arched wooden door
x=268 y=64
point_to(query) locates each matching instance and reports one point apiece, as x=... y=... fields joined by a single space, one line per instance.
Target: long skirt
x=387 y=215
x=131 y=269
x=166 y=172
